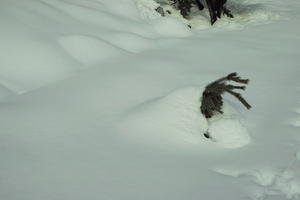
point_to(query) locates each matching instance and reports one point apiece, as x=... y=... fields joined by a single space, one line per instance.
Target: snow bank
x=245 y=13
x=171 y=120
x=175 y=119
x=227 y=129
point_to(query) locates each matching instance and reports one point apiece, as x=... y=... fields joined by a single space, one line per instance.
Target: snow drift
x=175 y=119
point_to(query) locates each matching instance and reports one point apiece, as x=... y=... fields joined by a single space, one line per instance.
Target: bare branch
x=212 y=100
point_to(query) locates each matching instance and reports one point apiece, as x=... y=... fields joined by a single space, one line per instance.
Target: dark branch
x=212 y=100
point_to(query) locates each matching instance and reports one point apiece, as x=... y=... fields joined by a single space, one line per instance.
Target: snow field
x=74 y=71
x=91 y=46
x=46 y=58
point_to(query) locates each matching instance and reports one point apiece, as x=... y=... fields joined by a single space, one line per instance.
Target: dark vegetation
x=215 y=7
x=212 y=100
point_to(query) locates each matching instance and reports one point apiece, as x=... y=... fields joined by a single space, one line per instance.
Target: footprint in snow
x=267 y=183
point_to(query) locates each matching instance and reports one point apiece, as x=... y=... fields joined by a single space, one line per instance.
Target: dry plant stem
x=212 y=100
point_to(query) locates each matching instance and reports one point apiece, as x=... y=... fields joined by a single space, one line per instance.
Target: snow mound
x=245 y=14
x=229 y=133
x=38 y=63
x=176 y=120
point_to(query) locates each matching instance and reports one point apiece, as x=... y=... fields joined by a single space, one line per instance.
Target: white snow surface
x=174 y=121
x=99 y=99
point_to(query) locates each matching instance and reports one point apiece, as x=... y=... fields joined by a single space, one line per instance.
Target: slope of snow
x=75 y=73
x=174 y=121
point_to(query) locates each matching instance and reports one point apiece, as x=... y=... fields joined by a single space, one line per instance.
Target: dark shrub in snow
x=215 y=7
x=212 y=101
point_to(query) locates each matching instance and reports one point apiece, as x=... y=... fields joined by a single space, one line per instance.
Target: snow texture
x=269 y=182
x=99 y=99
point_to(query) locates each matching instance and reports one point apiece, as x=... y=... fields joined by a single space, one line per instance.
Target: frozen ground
x=92 y=90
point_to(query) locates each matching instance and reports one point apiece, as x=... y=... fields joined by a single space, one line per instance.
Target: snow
x=298 y=155
x=270 y=181
x=245 y=13
x=88 y=50
x=170 y=27
x=99 y=99
x=174 y=121
x=147 y=7
x=170 y=120
x=22 y=73
x=227 y=129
